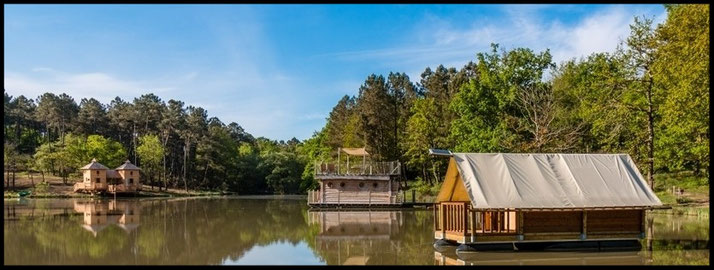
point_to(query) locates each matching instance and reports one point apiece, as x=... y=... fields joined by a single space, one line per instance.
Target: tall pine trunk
x=650 y=136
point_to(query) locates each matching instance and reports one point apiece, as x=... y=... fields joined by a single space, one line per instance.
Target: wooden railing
x=81 y=186
x=313 y=196
x=353 y=197
x=454 y=217
x=359 y=168
x=456 y=220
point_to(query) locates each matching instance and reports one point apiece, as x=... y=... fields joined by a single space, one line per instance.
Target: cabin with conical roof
x=98 y=178
x=129 y=174
x=94 y=177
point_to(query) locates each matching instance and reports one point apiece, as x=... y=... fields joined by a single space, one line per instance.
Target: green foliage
x=682 y=67
x=649 y=98
x=41 y=188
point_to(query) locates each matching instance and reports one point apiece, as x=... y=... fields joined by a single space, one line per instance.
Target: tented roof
x=502 y=180
x=355 y=151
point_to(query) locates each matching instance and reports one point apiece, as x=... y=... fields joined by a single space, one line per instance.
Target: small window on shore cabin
x=329 y=184
x=131 y=180
x=375 y=185
x=342 y=184
x=131 y=173
x=361 y=184
x=97 y=172
x=99 y=180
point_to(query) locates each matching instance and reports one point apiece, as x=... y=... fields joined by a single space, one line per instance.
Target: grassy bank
x=695 y=189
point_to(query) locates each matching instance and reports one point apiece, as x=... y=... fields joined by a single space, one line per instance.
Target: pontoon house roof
x=94 y=165
x=509 y=181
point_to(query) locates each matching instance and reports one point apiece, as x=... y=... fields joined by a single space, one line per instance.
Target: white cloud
x=101 y=86
x=450 y=42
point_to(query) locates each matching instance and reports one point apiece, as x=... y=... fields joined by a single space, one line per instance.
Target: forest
x=649 y=98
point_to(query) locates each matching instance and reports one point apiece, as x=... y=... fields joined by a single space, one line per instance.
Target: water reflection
x=98 y=215
x=278 y=231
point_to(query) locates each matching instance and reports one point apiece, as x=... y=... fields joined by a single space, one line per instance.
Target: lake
x=260 y=231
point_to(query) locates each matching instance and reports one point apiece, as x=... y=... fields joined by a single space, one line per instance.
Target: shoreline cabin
x=98 y=178
x=542 y=201
x=356 y=183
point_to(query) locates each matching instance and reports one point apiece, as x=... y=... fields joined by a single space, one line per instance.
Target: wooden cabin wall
x=550 y=222
x=598 y=221
x=353 y=193
x=614 y=221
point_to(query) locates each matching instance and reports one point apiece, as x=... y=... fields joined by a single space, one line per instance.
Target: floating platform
x=582 y=245
x=332 y=206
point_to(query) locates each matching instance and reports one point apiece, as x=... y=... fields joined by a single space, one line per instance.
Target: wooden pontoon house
x=97 y=178
x=521 y=201
x=356 y=182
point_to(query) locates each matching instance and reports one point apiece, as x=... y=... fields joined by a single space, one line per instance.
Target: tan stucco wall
x=90 y=176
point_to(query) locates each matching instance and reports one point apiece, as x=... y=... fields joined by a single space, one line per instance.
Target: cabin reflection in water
x=98 y=215
x=353 y=237
x=540 y=258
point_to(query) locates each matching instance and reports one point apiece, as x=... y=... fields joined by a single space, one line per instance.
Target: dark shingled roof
x=113 y=174
x=94 y=165
x=128 y=166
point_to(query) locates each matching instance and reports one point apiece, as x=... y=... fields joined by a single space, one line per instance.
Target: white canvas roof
x=553 y=181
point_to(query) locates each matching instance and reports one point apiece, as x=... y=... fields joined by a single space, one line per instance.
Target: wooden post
x=370 y=197
x=519 y=227
x=585 y=226
x=364 y=159
x=338 y=159
x=413 y=196
x=442 y=217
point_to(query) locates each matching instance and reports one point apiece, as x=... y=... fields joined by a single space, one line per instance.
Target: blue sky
x=277 y=70
x=277 y=253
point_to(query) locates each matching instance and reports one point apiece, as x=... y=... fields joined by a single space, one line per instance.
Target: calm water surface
x=250 y=231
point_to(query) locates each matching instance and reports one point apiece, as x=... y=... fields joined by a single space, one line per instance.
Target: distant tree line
x=176 y=145
x=649 y=98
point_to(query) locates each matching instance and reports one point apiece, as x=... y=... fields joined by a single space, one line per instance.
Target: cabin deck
x=111 y=189
x=458 y=222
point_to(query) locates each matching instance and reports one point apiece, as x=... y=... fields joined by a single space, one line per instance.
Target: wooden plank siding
x=614 y=221
x=552 y=222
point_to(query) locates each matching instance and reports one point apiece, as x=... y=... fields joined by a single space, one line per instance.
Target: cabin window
x=97 y=172
x=131 y=180
x=329 y=184
x=131 y=173
x=361 y=184
x=99 y=180
x=375 y=185
x=342 y=184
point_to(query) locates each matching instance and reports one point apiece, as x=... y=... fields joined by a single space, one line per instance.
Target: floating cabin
x=542 y=201
x=356 y=183
x=97 y=178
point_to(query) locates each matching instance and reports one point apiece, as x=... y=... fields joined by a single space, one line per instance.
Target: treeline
x=649 y=98
x=176 y=146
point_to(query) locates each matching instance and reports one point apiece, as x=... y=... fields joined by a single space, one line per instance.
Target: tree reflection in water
x=216 y=230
